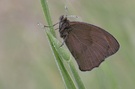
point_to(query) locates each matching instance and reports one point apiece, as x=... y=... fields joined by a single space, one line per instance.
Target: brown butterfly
x=88 y=44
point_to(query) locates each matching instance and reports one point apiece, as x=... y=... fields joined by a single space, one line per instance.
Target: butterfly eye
x=61 y=18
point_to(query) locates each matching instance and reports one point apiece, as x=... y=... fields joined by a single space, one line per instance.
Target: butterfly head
x=63 y=18
x=63 y=24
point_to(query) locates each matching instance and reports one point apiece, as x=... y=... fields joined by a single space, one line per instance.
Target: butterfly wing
x=90 y=45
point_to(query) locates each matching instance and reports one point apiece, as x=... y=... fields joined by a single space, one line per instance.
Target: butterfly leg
x=65 y=37
x=52 y=25
x=56 y=28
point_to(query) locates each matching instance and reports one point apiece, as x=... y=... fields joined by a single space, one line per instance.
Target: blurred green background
x=26 y=60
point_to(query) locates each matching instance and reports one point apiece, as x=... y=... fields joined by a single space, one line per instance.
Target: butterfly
x=88 y=44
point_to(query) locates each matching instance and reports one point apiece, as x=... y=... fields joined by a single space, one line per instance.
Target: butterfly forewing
x=90 y=45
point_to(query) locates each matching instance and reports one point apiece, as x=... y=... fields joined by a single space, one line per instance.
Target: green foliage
x=60 y=54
